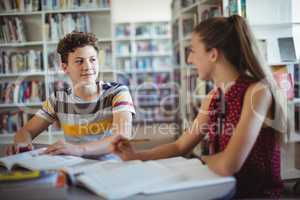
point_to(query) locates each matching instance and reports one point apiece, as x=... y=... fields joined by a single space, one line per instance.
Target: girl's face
x=203 y=60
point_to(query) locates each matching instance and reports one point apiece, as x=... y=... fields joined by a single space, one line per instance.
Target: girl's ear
x=213 y=55
x=64 y=67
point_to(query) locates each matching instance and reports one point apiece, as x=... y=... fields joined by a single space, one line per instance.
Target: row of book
x=20 y=5
x=58 y=25
x=11 y=121
x=156 y=46
x=150 y=63
x=157 y=78
x=75 y=4
x=152 y=29
x=24 y=91
x=21 y=61
x=12 y=30
x=143 y=30
x=151 y=46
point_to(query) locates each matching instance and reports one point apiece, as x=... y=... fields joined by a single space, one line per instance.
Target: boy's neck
x=87 y=92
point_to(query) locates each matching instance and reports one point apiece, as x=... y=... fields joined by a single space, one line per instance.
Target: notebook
x=35 y=160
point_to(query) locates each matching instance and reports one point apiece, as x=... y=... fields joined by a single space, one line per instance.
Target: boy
x=92 y=114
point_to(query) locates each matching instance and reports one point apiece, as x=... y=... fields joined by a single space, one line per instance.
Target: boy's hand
x=125 y=150
x=22 y=143
x=61 y=147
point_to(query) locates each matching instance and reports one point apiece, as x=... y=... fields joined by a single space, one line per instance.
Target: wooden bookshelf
x=34 y=19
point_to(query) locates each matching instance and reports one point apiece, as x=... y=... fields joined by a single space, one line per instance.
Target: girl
x=241 y=116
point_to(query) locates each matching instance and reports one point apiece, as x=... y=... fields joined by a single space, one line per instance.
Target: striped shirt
x=84 y=121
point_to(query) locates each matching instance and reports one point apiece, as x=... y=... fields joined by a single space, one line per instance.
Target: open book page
x=47 y=162
x=192 y=174
x=125 y=181
x=35 y=160
x=93 y=166
x=10 y=161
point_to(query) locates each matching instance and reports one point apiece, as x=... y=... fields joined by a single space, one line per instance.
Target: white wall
x=141 y=10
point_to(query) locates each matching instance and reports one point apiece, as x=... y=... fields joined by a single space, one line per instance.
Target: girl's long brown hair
x=233 y=37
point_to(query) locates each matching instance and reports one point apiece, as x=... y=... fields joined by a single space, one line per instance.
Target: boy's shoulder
x=112 y=86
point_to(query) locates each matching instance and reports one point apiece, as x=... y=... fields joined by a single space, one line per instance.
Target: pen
x=138 y=140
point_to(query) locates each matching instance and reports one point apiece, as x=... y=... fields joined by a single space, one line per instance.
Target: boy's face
x=82 y=66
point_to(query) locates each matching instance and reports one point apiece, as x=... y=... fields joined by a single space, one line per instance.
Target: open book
x=35 y=160
x=123 y=179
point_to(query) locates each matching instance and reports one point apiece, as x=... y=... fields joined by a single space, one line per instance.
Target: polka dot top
x=260 y=174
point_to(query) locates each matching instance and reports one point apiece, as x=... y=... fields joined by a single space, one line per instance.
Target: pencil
x=138 y=140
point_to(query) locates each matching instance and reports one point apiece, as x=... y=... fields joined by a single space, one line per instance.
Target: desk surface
x=219 y=191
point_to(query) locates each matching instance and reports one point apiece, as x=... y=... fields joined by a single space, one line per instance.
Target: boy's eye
x=92 y=59
x=78 y=61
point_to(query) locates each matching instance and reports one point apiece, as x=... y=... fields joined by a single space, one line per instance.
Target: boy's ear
x=64 y=67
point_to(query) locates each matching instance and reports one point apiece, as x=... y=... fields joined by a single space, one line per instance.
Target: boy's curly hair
x=74 y=40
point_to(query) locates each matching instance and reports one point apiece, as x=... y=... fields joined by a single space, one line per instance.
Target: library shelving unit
x=29 y=69
x=276 y=25
x=143 y=55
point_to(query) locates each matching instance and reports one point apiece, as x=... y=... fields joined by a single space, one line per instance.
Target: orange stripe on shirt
x=78 y=130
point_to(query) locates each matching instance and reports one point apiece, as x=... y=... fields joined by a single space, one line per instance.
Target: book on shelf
x=152 y=47
x=297 y=118
x=209 y=11
x=175 y=32
x=12 y=30
x=161 y=29
x=58 y=25
x=21 y=61
x=287 y=49
x=123 y=49
x=188 y=23
x=24 y=91
x=263 y=47
x=124 y=64
x=297 y=80
x=143 y=30
x=105 y=56
x=79 y=4
x=283 y=75
x=37 y=160
x=20 y=5
x=11 y=121
x=150 y=177
x=122 y=30
x=159 y=78
x=237 y=7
